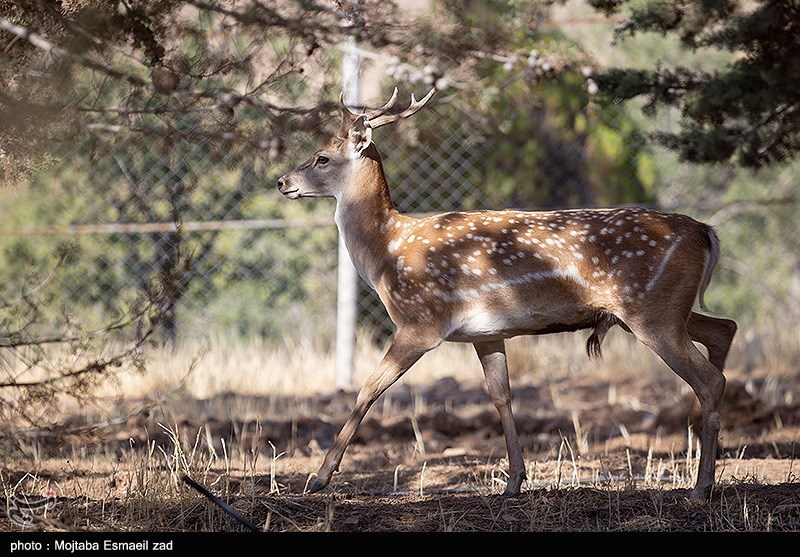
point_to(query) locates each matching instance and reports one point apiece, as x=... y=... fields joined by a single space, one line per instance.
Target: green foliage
x=174 y=146
x=747 y=112
x=532 y=141
x=225 y=275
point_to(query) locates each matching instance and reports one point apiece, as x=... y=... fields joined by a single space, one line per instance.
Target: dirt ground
x=601 y=457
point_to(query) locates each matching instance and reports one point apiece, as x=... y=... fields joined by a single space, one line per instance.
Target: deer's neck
x=366 y=218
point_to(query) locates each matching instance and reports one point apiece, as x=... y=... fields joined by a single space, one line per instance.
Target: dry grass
x=254 y=367
x=569 y=493
x=577 y=481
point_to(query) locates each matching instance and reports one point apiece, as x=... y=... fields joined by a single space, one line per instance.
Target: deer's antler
x=380 y=119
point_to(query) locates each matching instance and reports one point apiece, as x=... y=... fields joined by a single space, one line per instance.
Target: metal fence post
x=347 y=277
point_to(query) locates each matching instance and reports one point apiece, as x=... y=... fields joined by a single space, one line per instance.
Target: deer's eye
x=322 y=160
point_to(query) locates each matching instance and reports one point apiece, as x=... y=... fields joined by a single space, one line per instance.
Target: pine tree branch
x=50 y=48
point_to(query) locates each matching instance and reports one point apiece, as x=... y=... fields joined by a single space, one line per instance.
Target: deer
x=484 y=276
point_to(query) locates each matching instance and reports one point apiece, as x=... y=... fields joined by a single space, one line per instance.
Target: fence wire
x=242 y=259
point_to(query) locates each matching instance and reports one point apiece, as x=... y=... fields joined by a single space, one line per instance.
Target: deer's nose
x=281 y=183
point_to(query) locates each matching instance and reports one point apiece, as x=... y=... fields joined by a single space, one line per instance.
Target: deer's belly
x=485 y=324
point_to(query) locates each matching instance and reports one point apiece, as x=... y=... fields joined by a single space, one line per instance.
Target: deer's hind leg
x=715 y=333
x=674 y=346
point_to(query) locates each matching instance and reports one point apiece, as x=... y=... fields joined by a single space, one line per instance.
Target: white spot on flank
x=663 y=264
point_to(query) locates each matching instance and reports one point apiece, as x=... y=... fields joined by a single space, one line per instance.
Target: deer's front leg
x=495 y=367
x=406 y=348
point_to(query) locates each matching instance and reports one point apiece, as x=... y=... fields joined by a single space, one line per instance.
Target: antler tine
x=382 y=120
x=343 y=105
x=375 y=112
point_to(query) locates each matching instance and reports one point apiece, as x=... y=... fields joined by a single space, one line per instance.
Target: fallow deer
x=488 y=275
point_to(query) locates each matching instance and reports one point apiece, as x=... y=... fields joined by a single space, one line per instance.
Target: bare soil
x=601 y=457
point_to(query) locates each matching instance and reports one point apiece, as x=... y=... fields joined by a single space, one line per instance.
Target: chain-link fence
x=236 y=257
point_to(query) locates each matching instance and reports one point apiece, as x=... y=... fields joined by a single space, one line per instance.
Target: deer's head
x=333 y=169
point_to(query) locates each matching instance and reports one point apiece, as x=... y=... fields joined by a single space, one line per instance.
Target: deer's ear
x=359 y=136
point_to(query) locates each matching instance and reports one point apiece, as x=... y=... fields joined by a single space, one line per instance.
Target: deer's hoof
x=317 y=486
x=514 y=485
x=701 y=494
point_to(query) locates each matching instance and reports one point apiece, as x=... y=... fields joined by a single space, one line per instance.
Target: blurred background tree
x=747 y=111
